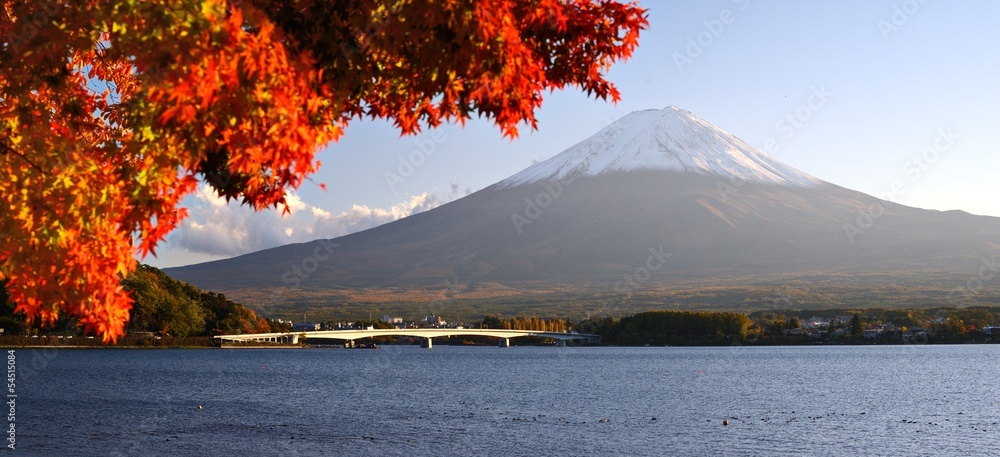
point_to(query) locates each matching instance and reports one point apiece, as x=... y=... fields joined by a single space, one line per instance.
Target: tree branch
x=8 y=149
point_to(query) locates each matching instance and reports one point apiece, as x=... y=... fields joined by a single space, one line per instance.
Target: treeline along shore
x=165 y=313
x=172 y=313
x=796 y=327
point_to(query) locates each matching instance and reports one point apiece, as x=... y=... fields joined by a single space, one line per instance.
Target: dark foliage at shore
x=129 y=341
x=523 y=323
x=670 y=327
x=945 y=324
x=844 y=325
x=167 y=312
x=168 y=306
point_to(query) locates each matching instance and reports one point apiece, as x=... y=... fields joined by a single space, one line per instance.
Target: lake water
x=847 y=400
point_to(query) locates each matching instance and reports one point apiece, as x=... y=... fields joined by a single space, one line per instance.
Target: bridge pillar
x=504 y=343
x=427 y=343
x=294 y=339
x=561 y=343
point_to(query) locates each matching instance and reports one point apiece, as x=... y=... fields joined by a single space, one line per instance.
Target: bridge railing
x=350 y=335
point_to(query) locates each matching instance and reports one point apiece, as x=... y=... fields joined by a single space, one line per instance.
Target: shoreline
x=307 y=346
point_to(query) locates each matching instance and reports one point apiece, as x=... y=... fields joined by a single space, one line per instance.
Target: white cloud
x=319 y=213
x=295 y=204
x=218 y=228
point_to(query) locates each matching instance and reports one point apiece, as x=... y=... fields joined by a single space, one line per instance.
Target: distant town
x=386 y=321
x=839 y=328
x=709 y=328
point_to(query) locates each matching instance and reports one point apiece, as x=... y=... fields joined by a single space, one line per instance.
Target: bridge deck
x=350 y=335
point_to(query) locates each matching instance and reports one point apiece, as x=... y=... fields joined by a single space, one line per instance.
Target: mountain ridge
x=668 y=139
x=557 y=224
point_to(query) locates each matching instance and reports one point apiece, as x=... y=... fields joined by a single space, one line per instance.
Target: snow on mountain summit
x=667 y=139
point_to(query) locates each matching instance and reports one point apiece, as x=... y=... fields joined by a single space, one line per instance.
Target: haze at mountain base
x=660 y=193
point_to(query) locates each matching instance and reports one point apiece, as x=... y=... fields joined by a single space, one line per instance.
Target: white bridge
x=427 y=333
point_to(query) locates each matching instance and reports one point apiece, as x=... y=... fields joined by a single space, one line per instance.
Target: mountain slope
x=660 y=193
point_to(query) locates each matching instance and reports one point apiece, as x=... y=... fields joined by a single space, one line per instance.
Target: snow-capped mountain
x=670 y=139
x=646 y=186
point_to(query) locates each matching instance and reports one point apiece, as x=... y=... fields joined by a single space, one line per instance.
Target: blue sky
x=893 y=98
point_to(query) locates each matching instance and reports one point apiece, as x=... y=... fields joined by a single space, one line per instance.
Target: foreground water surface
x=847 y=400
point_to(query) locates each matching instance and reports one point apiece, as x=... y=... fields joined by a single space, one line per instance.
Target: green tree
x=857 y=327
x=684 y=327
x=163 y=304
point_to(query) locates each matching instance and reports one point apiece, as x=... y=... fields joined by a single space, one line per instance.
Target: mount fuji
x=658 y=192
x=668 y=140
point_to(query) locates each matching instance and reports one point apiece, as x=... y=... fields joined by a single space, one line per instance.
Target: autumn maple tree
x=111 y=112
